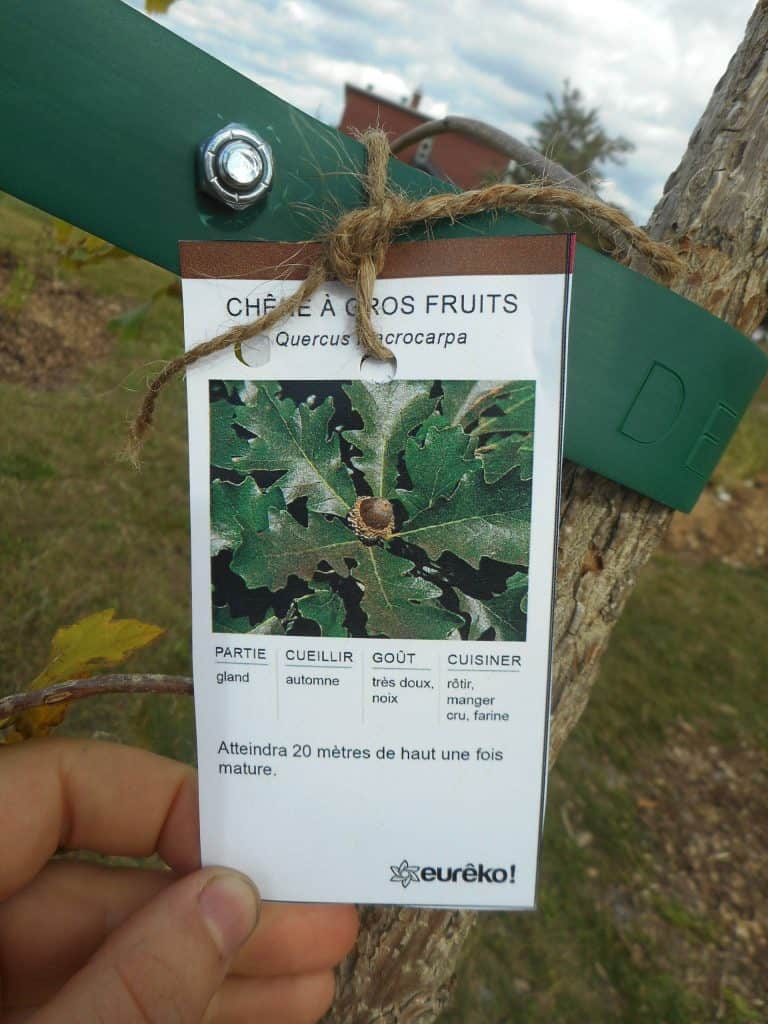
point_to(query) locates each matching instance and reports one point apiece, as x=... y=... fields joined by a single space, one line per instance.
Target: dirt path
x=729 y=526
x=48 y=326
x=706 y=900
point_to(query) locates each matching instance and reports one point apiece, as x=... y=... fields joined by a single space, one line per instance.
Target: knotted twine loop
x=355 y=250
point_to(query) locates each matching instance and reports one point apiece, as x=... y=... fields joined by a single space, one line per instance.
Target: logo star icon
x=404 y=873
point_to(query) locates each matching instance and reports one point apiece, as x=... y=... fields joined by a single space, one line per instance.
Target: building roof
x=453 y=157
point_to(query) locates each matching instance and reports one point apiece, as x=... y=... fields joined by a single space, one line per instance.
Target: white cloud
x=649 y=65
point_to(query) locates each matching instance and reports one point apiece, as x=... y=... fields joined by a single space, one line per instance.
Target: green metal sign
x=102 y=112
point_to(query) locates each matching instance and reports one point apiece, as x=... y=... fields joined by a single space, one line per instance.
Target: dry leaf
x=97 y=643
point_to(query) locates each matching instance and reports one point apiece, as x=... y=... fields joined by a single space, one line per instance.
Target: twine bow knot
x=358 y=245
x=355 y=250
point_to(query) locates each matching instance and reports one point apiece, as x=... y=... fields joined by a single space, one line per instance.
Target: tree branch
x=79 y=689
x=489 y=136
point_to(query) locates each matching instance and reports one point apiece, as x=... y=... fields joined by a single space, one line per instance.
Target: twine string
x=355 y=250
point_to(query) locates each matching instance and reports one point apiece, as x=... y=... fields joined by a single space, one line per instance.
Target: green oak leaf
x=395 y=603
x=434 y=466
x=389 y=413
x=516 y=406
x=525 y=452
x=504 y=613
x=499 y=455
x=235 y=389
x=435 y=420
x=271 y=626
x=464 y=399
x=294 y=441
x=502 y=453
x=225 y=622
x=326 y=608
x=227 y=446
x=232 y=505
x=398 y=604
x=468 y=457
x=286 y=548
x=245 y=390
x=506 y=425
x=477 y=521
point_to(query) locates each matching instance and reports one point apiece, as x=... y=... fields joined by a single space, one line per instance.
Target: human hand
x=89 y=943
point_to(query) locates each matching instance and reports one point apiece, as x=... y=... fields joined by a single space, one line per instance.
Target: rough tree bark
x=713 y=208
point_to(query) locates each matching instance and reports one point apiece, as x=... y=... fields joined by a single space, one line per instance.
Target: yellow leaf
x=157 y=6
x=63 y=231
x=95 y=644
x=78 y=248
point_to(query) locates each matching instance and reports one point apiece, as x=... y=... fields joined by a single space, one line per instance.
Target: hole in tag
x=378 y=371
x=254 y=352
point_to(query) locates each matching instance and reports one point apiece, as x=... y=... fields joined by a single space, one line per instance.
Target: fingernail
x=230 y=907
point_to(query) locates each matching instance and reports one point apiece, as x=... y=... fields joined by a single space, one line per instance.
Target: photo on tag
x=364 y=509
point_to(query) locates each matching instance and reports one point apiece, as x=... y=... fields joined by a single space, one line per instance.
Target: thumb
x=168 y=960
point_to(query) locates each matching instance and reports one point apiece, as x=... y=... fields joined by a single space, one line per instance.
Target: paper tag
x=373 y=571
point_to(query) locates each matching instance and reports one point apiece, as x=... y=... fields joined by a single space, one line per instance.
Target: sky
x=649 y=65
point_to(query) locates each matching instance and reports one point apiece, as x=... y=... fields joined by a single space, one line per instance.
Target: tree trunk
x=713 y=208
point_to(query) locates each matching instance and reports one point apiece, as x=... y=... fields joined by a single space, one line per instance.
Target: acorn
x=372 y=519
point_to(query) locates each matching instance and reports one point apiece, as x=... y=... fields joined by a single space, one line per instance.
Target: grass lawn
x=651 y=885
x=633 y=926
x=80 y=529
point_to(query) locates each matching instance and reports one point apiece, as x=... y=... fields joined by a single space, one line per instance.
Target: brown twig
x=486 y=134
x=79 y=689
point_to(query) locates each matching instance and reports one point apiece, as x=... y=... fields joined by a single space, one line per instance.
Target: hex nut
x=235 y=166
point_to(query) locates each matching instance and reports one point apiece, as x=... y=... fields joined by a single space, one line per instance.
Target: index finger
x=96 y=796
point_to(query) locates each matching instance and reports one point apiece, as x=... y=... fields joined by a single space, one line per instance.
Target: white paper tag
x=372 y=572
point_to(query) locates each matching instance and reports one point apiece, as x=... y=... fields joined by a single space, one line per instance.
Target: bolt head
x=235 y=167
x=240 y=165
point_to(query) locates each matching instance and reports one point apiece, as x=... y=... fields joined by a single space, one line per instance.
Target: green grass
x=747 y=454
x=81 y=531
x=23 y=466
x=689 y=645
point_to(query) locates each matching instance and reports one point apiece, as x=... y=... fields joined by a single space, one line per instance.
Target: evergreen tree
x=571 y=134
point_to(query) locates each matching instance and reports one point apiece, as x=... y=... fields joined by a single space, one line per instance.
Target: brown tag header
x=290 y=261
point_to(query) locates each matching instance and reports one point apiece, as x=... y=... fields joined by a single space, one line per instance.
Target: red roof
x=454 y=157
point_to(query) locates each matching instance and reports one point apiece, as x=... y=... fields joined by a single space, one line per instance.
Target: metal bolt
x=235 y=167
